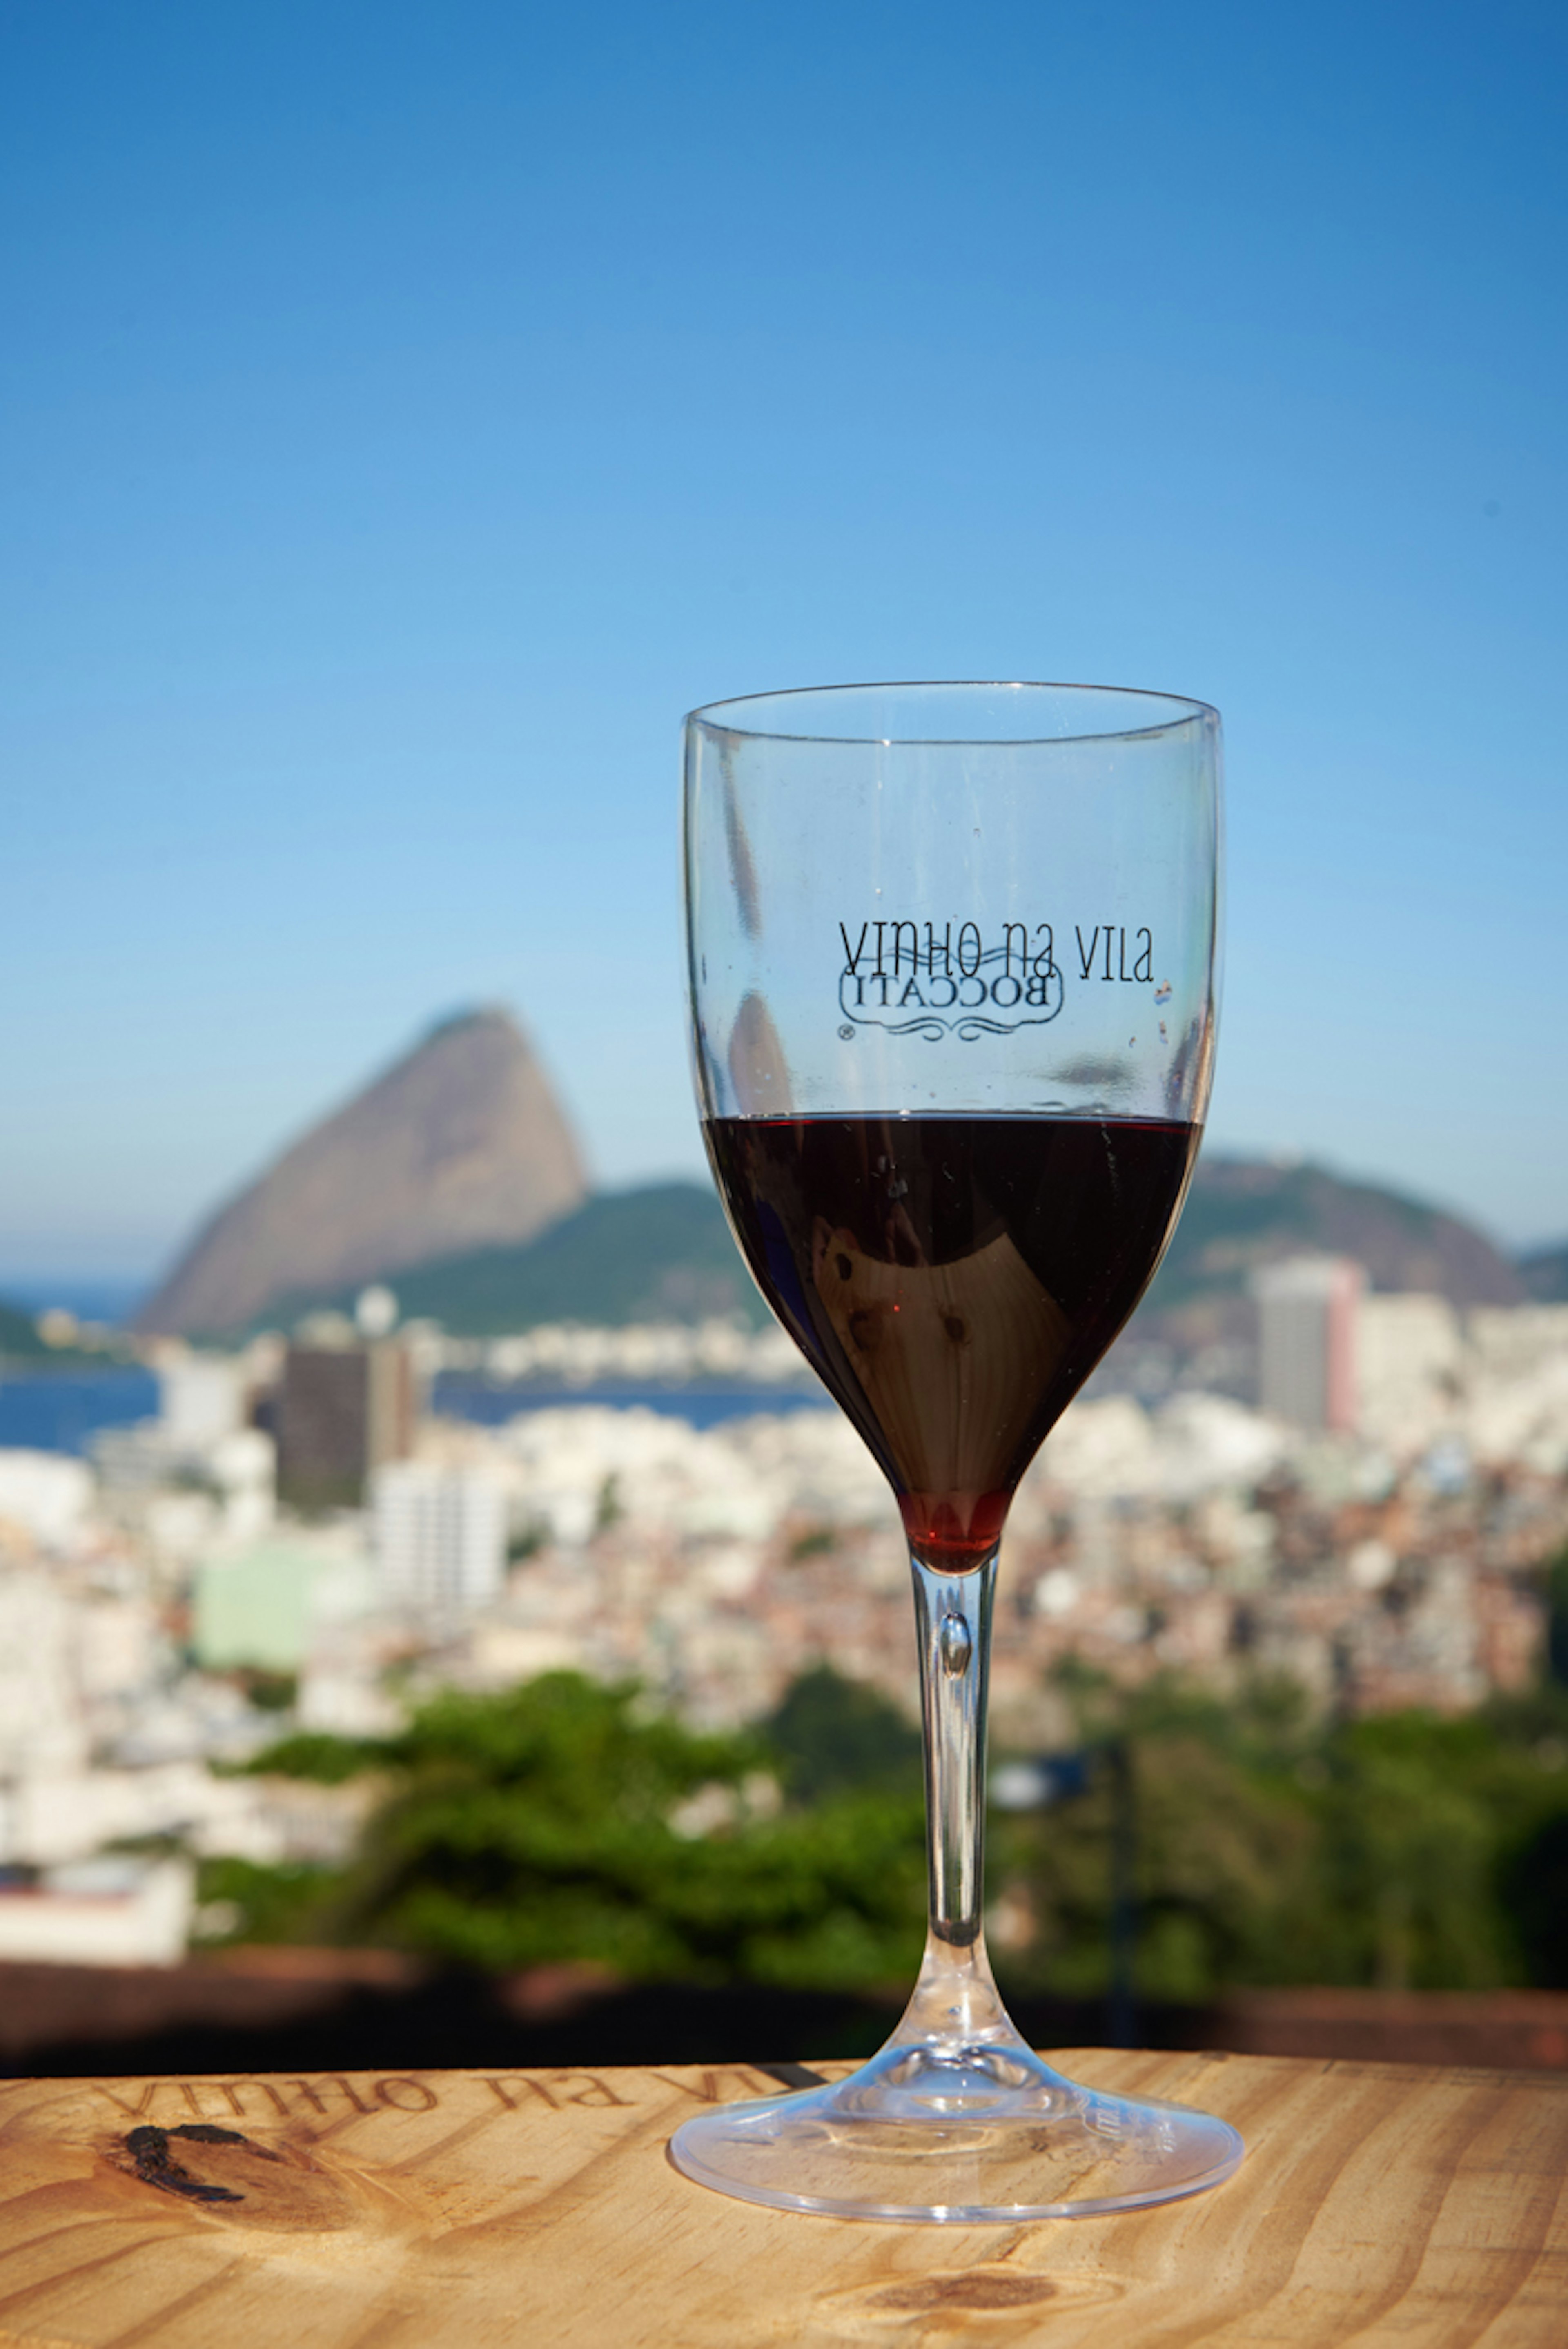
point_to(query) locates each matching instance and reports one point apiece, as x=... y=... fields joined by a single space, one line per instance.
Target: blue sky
x=406 y=414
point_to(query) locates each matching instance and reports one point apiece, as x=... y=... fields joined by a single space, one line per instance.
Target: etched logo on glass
x=916 y=978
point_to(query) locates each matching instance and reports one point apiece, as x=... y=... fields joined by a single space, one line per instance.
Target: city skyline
x=407 y=420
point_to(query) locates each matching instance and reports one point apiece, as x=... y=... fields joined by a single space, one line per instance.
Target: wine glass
x=953 y=959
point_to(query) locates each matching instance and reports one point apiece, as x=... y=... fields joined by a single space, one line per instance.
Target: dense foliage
x=831 y=1735
x=563 y=1820
x=1401 y=1850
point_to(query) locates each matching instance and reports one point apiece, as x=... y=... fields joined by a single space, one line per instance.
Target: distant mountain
x=661 y=1253
x=19 y=1338
x=664 y=1252
x=20 y=1343
x=1243 y=1213
x=460 y=1145
x=1544 y=1272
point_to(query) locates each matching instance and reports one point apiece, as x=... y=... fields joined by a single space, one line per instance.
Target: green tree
x=565 y=1820
x=1534 y=1888
x=1223 y=1843
x=546 y=1824
x=1405 y=1850
x=831 y=1734
x=1555 y=1581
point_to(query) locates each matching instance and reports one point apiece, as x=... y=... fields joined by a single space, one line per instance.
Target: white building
x=438 y=1535
x=1411 y=1367
x=1517 y=1341
x=45 y=1498
x=107 y=1913
x=1307 y=1310
x=201 y=1398
x=1517 y=1405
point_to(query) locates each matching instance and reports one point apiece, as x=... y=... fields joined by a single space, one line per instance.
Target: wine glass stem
x=953 y=1626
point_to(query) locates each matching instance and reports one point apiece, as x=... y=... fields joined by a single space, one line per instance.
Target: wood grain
x=1378 y=2204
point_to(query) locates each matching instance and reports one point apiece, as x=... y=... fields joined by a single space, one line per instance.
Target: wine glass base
x=958 y=2134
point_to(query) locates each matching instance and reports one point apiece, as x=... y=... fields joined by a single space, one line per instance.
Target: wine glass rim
x=715 y=714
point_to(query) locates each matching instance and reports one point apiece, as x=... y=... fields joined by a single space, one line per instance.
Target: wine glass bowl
x=953 y=959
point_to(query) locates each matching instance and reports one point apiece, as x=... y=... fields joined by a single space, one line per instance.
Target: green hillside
x=661 y=1253
x=19 y=1340
x=21 y=1344
x=1242 y=1213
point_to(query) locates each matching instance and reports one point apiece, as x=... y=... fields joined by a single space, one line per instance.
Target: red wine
x=952 y=1280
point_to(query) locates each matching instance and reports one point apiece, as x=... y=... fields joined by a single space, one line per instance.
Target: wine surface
x=952 y=1280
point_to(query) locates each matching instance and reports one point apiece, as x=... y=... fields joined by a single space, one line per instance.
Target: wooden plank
x=1378 y=2204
